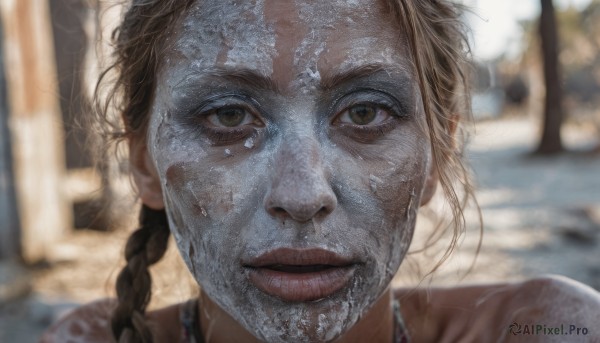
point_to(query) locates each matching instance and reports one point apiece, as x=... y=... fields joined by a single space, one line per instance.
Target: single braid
x=140 y=42
x=145 y=246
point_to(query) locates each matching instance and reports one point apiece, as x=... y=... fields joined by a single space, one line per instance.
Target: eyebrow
x=329 y=81
x=244 y=76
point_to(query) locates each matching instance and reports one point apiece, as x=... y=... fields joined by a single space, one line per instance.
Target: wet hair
x=438 y=49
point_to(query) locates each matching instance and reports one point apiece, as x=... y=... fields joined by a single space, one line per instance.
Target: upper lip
x=298 y=257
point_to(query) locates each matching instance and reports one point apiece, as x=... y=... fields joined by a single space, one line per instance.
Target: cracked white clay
x=256 y=133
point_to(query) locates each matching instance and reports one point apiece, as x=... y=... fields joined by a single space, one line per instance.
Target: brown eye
x=230 y=117
x=362 y=114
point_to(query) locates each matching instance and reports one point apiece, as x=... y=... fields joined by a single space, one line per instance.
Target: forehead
x=286 y=39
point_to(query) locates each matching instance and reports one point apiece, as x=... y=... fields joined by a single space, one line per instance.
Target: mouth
x=300 y=275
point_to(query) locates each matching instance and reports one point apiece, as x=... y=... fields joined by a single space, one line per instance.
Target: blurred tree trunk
x=10 y=234
x=70 y=44
x=551 y=142
x=35 y=125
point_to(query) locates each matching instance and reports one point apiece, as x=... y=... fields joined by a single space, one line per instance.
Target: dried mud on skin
x=540 y=216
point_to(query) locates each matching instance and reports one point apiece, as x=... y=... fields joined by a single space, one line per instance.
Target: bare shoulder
x=558 y=299
x=87 y=323
x=487 y=312
x=90 y=323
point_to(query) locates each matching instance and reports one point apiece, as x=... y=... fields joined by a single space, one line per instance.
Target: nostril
x=279 y=212
x=301 y=200
x=324 y=211
x=300 y=212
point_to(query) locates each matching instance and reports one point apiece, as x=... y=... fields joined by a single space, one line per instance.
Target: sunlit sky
x=495 y=25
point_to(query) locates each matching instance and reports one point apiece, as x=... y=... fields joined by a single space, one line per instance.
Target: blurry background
x=536 y=159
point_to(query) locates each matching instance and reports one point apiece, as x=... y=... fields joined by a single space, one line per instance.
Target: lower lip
x=300 y=287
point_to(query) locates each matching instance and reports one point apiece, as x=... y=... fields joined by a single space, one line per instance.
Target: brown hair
x=138 y=44
x=438 y=49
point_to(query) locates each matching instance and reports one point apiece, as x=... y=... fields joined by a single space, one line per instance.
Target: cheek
x=389 y=180
x=199 y=191
x=200 y=208
x=211 y=202
x=197 y=195
x=390 y=187
x=183 y=201
x=398 y=185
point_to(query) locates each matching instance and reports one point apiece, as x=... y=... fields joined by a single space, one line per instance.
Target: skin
x=298 y=171
x=298 y=174
x=475 y=313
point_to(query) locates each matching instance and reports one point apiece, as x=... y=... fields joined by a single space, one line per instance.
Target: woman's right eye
x=226 y=123
x=230 y=117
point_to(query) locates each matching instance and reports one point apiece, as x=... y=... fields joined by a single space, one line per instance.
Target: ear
x=145 y=175
x=432 y=174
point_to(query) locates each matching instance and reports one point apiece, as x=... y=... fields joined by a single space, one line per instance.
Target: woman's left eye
x=230 y=117
x=363 y=115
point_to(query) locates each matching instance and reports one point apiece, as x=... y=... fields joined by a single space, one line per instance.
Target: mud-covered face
x=286 y=136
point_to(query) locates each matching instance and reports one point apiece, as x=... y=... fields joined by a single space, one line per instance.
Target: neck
x=376 y=325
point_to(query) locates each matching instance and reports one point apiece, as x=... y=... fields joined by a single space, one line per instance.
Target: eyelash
x=362 y=133
x=368 y=133
x=199 y=119
x=222 y=137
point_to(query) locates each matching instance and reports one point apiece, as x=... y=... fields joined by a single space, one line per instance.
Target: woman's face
x=286 y=138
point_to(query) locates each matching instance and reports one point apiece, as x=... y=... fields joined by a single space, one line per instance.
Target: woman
x=287 y=146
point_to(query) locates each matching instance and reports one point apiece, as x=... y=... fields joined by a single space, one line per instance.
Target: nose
x=299 y=188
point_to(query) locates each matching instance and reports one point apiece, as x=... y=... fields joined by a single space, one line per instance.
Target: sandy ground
x=541 y=215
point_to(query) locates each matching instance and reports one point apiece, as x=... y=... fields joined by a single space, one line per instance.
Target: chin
x=273 y=320
x=307 y=322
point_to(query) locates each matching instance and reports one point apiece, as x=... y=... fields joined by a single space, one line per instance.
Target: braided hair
x=145 y=246
x=127 y=86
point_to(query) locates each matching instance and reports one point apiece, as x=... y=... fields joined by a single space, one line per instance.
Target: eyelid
x=196 y=119
x=371 y=132
x=369 y=96
x=378 y=109
x=211 y=105
x=211 y=116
